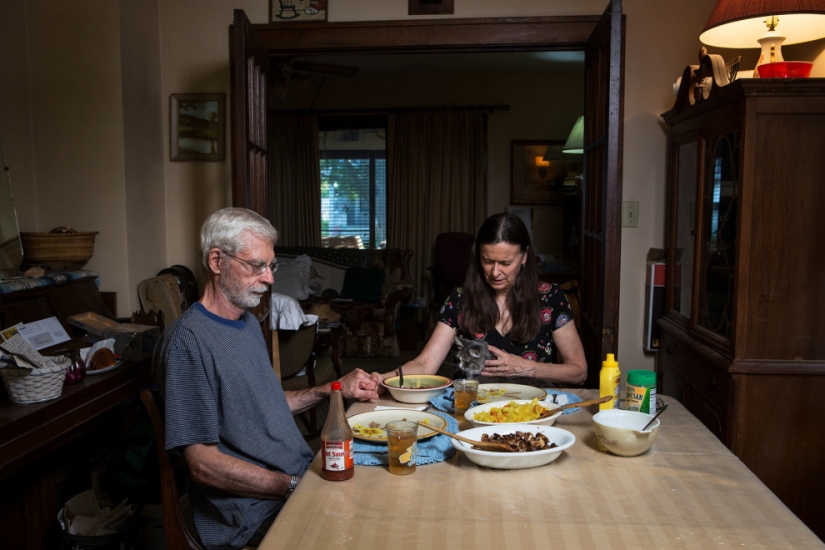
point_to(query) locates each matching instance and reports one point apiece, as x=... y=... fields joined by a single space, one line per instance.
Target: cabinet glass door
x=717 y=253
x=686 y=177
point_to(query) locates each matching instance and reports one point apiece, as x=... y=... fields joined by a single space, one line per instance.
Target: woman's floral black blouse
x=555 y=312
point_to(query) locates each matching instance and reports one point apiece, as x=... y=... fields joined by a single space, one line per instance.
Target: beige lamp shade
x=740 y=23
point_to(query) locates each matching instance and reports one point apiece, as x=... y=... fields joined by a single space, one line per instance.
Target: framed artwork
x=541 y=173
x=430 y=7
x=297 y=10
x=197 y=127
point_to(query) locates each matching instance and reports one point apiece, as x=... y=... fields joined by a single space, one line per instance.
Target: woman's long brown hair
x=479 y=312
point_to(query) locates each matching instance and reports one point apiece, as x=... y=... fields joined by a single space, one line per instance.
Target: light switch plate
x=630 y=214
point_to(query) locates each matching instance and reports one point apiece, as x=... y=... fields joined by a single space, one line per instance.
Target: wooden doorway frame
x=512 y=35
x=428 y=36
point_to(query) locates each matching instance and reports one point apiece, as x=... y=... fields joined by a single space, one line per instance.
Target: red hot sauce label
x=338 y=455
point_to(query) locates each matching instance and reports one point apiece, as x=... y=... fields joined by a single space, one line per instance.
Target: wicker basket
x=34 y=385
x=60 y=249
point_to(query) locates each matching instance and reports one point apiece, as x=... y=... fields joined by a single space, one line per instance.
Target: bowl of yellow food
x=520 y=411
x=538 y=445
x=418 y=388
x=621 y=431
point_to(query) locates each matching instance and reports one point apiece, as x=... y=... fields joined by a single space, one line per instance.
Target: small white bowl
x=546 y=421
x=418 y=388
x=621 y=431
x=515 y=461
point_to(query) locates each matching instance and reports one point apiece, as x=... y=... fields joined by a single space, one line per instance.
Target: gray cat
x=471 y=356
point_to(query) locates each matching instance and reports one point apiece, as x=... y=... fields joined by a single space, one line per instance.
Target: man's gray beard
x=240 y=298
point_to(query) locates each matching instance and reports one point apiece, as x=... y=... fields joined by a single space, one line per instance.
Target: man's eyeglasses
x=258 y=268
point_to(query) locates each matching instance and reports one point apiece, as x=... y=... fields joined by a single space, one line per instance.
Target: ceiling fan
x=324 y=68
x=284 y=75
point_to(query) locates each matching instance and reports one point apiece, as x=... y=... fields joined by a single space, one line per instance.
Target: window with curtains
x=353 y=182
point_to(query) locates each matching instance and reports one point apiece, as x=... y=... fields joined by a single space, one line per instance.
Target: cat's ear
x=459 y=342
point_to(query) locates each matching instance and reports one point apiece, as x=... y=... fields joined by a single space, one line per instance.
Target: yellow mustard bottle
x=609 y=380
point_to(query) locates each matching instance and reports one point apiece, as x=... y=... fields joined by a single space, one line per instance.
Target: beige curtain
x=295 y=179
x=436 y=181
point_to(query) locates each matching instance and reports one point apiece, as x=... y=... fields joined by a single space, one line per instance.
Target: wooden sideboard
x=742 y=342
x=47 y=450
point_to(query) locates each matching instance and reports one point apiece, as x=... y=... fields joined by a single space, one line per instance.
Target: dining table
x=687 y=491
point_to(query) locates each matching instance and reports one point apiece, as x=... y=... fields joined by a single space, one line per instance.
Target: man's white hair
x=227 y=229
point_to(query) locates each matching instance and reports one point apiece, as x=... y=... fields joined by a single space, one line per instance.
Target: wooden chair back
x=180 y=534
x=296 y=350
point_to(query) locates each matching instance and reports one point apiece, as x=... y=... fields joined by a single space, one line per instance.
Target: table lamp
x=749 y=24
x=573 y=145
x=575 y=141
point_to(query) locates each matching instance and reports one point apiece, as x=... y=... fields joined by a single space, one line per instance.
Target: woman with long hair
x=503 y=302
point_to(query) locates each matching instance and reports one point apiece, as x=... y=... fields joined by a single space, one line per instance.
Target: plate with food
x=488 y=393
x=100 y=359
x=369 y=426
x=520 y=411
x=92 y=372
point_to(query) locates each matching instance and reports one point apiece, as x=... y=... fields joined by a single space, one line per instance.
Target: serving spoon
x=483 y=445
x=550 y=412
x=655 y=417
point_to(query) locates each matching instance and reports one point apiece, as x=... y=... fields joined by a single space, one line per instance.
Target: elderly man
x=225 y=409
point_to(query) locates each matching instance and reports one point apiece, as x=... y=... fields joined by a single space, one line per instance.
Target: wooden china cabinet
x=743 y=336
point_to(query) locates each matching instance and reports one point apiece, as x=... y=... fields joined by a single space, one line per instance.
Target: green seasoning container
x=641 y=391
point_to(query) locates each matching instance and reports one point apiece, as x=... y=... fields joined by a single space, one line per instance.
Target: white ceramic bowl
x=515 y=461
x=418 y=388
x=546 y=421
x=621 y=431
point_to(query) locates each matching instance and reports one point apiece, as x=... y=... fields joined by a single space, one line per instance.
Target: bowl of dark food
x=534 y=445
x=417 y=388
x=621 y=431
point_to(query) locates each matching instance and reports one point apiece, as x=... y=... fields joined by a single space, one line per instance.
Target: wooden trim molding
x=428 y=35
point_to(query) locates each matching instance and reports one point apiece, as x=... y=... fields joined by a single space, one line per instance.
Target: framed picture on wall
x=430 y=7
x=541 y=173
x=197 y=127
x=297 y=10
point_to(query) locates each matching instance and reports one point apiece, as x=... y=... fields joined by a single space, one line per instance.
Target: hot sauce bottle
x=336 y=440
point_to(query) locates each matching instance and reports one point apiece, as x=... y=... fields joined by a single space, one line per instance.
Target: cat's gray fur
x=471 y=356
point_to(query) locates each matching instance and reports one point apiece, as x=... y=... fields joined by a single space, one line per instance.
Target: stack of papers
x=18 y=351
x=83 y=516
x=44 y=333
x=21 y=342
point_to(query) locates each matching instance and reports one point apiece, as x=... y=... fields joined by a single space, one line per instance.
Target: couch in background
x=366 y=287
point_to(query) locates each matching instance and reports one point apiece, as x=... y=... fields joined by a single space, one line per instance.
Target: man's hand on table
x=360 y=385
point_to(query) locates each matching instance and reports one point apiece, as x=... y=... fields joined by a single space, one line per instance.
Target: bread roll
x=102 y=359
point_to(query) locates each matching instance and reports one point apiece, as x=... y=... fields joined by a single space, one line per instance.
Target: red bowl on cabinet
x=785 y=69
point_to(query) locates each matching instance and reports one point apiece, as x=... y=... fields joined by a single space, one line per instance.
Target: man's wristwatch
x=293 y=482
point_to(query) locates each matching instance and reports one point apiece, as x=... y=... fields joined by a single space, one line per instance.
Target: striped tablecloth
x=688 y=491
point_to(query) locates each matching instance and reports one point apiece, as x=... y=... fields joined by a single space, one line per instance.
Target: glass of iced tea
x=402 y=438
x=465 y=392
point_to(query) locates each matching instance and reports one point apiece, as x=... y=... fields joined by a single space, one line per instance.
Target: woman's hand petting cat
x=507 y=364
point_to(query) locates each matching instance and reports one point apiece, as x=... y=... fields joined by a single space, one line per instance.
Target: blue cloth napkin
x=562 y=398
x=444 y=402
x=430 y=450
